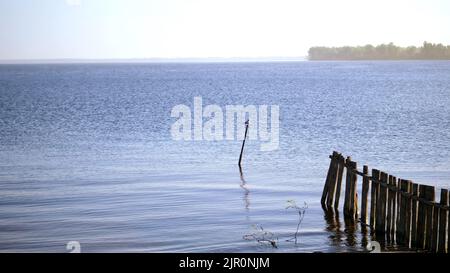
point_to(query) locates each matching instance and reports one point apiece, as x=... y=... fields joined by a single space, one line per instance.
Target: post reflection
x=348 y=235
x=350 y=230
x=243 y=185
x=333 y=227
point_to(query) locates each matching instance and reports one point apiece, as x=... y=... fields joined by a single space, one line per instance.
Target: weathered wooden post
x=341 y=163
x=243 y=142
x=326 y=185
x=393 y=194
x=329 y=190
x=332 y=182
x=443 y=216
x=374 y=197
x=401 y=213
x=392 y=213
x=448 y=229
x=380 y=226
x=389 y=214
x=384 y=199
x=429 y=196
x=364 y=197
x=351 y=200
x=421 y=220
x=355 y=191
x=325 y=190
x=408 y=213
x=435 y=231
x=403 y=222
x=448 y=225
x=347 y=186
x=414 y=213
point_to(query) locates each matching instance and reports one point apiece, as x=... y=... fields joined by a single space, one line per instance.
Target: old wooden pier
x=396 y=210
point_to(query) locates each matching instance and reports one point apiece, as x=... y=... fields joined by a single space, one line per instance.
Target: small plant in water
x=262 y=236
x=265 y=237
x=301 y=214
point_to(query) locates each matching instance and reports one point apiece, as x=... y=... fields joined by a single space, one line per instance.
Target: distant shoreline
x=428 y=51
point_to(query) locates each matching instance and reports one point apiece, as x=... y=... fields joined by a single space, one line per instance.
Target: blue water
x=86 y=153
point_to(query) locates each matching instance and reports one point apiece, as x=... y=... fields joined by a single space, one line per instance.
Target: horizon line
x=153 y=60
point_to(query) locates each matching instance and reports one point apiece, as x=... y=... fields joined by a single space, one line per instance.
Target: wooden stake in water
x=243 y=142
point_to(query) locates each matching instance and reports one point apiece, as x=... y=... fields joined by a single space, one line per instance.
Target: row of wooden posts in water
x=396 y=210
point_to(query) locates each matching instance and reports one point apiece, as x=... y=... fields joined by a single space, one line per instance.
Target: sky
x=124 y=29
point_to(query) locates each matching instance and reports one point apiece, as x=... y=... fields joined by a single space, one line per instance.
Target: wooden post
x=364 y=197
x=443 y=216
x=400 y=222
x=325 y=187
x=347 y=187
x=429 y=196
x=385 y=195
x=354 y=192
x=394 y=194
x=414 y=212
x=341 y=162
x=435 y=232
x=407 y=210
x=351 y=200
x=448 y=228
x=332 y=182
x=389 y=213
x=401 y=227
x=421 y=220
x=374 y=197
x=243 y=143
x=381 y=207
x=398 y=207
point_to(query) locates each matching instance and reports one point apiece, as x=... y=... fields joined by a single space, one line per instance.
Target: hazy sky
x=49 y=29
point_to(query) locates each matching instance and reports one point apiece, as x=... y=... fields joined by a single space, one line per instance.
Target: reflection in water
x=246 y=190
x=365 y=235
x=334 y=227
x=350 y=230
x=349 y=236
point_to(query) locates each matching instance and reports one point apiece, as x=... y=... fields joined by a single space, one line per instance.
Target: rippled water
x=86 y=153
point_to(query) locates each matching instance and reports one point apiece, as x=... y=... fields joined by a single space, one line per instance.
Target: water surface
x=86 y=152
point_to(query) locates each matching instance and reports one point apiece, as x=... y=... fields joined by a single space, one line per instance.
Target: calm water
x=86 y=152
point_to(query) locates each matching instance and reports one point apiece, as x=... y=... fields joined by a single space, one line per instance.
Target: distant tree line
x=428 y=51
